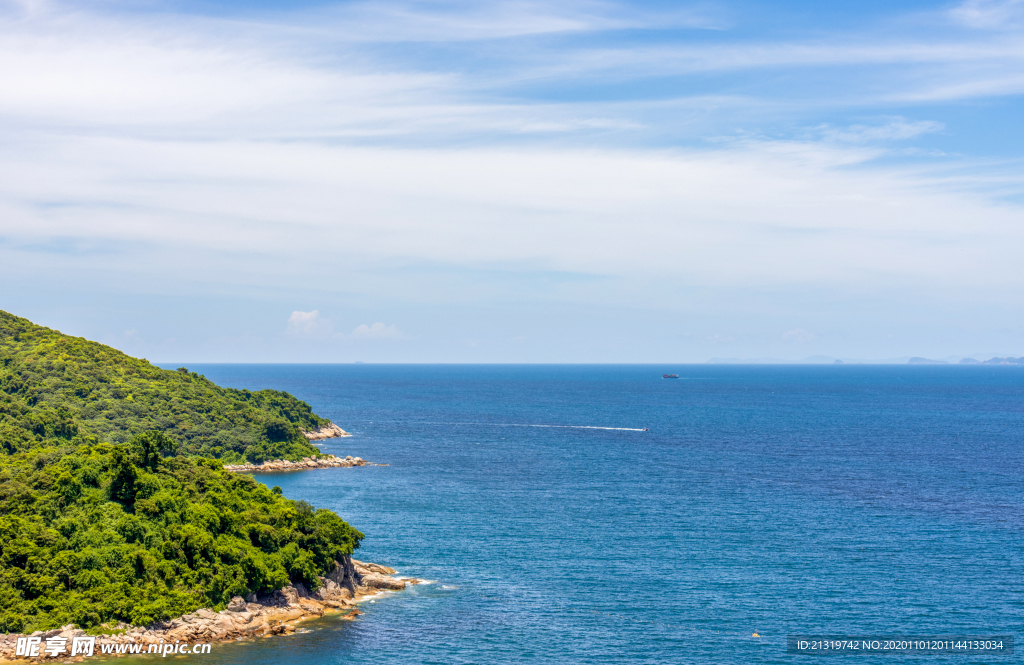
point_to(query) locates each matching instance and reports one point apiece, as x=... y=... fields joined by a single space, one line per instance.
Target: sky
x=515 y=181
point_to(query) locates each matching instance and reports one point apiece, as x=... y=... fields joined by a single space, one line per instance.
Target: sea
x=604 y=514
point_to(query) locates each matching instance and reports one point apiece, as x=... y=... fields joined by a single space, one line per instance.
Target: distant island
x=115 y=510
x=969 y=361
x=821 y=360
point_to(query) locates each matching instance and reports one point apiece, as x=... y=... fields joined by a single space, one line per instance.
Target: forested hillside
x=111 y=506
x=55 y=387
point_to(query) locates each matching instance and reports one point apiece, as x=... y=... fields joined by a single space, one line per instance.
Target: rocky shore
x=276 y=614
x=328 y=431
x=321 y=462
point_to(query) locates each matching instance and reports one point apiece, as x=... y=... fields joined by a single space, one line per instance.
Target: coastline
x=328 y=431
x=321 y=462
x=276 y=614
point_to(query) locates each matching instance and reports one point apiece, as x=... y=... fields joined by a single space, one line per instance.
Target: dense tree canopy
x=112 y=506
x=54 y=387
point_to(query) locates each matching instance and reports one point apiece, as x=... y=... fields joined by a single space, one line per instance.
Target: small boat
x=670 y=376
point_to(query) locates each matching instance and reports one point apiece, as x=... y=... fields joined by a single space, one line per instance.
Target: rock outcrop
x=328 y=431
x=275 y=614
x=374 y=576
x=320 y=462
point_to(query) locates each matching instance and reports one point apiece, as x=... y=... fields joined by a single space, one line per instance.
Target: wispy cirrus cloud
x=312 y=75
x=389 y=22
x=990 y=14
x=895 y=129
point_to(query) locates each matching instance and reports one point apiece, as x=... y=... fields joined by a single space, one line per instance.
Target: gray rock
x=344 y=574
x=237 y=604
x=289 y=594
x=330 y=590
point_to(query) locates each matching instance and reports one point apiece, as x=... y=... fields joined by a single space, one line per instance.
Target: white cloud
x=308 y=324
x=82 y=70
x=303 y=75
x=270 y=211
x=312 y=325
x=979 y=85
x=376 y=331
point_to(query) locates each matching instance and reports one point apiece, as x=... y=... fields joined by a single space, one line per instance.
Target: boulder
x=332 y=591
x=365 y=568
x=378 y=581
x=282 y=597
x=237 y=604
x=291 y=594
x=328 y=431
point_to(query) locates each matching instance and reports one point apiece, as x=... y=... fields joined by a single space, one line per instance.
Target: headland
x=278 y=613
x=328 y=431
x=319 y=462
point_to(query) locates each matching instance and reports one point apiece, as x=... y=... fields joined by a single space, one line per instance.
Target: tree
x=122 y=484
x=151 y=446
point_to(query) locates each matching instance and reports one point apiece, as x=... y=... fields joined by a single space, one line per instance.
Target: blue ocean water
x=768 y=499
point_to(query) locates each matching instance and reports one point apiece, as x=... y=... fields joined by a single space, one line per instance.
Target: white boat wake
x=621 y=429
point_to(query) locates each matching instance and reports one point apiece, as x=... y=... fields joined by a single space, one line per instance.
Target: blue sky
x=515 y=181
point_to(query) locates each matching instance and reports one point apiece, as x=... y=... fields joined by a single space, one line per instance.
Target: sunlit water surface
x=770 y=499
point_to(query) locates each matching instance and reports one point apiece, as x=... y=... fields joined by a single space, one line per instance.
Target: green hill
x=55 y=387
x=111 y=508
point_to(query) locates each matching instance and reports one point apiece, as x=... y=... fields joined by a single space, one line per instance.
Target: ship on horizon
x=670 y=376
